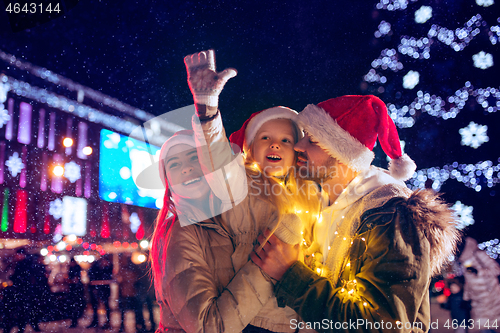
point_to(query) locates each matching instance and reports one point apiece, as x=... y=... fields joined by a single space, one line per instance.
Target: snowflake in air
x=15 y=164
x=4 y=116
x=56 y=209
x=411 y=79
x=474 y=135
x=135 y=222
x=463 y=214
x=423 y=14
x=72 y=171
x=485 y=3
x=482 y=60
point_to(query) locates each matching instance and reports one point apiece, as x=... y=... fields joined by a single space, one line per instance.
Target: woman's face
x=184 y=174
x=272 y=147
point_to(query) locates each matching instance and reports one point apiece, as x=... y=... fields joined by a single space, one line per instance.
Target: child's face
x=184 y=173
x=272 y=147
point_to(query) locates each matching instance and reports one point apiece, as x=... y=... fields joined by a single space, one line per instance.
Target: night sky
x=289 y=53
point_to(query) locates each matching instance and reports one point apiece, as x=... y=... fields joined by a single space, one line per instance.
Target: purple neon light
x=41 y=128
x=24 y=129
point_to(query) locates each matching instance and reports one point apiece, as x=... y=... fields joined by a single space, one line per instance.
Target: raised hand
x=205 y=83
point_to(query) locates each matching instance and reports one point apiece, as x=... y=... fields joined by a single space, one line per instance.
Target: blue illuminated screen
x=121 y=158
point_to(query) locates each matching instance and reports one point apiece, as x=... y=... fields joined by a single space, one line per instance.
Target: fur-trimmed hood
x=438 y=222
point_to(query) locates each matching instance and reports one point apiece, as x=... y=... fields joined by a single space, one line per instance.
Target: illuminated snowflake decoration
x=135 y=222
x=485 y=3
x=384 y=28
x=471 y=175
x=15 y=164
x=411 y=79
x=474 y=135
x=482 y=60
x=463 y=214
x=56 y=209
x=4 y=116
x=423 y=14
x=72 y=171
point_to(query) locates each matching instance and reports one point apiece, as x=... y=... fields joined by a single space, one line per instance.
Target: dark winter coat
x=384 y=284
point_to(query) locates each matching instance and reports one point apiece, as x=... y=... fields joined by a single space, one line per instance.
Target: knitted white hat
x=246 y=134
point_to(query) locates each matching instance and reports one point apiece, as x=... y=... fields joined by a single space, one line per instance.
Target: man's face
x=313 y=162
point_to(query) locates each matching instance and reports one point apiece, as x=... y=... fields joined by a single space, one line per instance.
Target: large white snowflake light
x=423 y=14
x=72 y=171
x=4 y=116
x=482 y=60
x=15 y=164
x=474 y=135
x=485 y=3
x=411 y=79
x=463 y=214
x=56 y=209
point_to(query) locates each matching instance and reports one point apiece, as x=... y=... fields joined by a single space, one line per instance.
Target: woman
x=191 y=264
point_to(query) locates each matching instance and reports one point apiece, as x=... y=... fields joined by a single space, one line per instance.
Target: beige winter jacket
x=210 y=285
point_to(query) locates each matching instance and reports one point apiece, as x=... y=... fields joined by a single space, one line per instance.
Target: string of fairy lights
x=478 y=176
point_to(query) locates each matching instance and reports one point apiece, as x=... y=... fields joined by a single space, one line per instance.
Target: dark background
x=290 y=53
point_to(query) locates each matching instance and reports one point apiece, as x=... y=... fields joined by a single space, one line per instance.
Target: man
x=379 y=242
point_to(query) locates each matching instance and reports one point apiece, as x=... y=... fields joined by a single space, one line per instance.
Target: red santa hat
x=246 y=134
x=347 y=128
x=180 y=137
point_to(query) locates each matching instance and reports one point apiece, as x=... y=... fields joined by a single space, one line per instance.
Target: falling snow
x=411 y=79
x=72 y=171
x=56 y=209
x=482 y=60
x=463 y=214
x=423 y=14
x=15 y=164
x=474 y=135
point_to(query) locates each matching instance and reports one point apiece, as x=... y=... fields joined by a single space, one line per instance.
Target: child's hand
x=205 y=83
